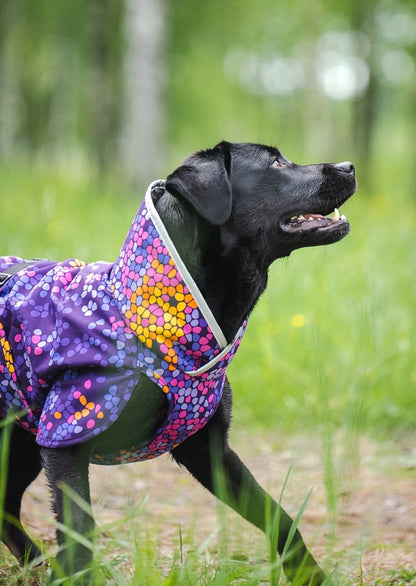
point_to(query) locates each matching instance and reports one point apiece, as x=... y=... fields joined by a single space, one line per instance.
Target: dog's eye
x=276 y=164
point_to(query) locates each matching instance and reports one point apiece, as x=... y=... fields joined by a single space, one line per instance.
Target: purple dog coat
x=76 y=338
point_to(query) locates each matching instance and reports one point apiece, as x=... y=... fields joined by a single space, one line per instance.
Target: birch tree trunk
x=144 y=74
x=8 y=83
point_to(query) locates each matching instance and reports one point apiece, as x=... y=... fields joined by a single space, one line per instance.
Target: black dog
x=230 y=212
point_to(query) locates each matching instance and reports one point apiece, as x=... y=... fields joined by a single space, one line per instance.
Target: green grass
x=130 y=551
x=333 y=339
x=330 y=348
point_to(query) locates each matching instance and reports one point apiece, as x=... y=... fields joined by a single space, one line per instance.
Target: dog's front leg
x=67 y=473
x=210 y=460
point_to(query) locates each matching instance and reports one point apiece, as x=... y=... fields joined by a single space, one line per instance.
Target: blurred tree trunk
x=411 y=142
x=144 y=72
x=365 y=117
x=8 y=81
x=3 y=29
x=104 y=31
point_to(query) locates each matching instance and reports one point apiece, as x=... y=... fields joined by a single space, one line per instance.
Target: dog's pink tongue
x=312 y=216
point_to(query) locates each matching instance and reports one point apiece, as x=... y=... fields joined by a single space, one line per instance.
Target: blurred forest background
x=135 y=85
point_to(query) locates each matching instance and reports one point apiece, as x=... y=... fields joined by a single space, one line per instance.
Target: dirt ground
x=374 y=530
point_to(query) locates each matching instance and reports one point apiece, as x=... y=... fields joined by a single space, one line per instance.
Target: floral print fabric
x=76 y=338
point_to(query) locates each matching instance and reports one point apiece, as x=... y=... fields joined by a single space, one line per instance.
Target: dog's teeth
x=336 y=215
x=301 y=218
x=343 y=218
x=310 y=219
x=294 y=218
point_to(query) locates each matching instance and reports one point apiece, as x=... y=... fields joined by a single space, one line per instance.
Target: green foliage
x=48 y=212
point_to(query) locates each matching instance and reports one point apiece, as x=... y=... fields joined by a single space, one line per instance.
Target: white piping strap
x=216 y=359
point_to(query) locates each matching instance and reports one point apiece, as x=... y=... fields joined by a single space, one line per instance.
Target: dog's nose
x=345 y=167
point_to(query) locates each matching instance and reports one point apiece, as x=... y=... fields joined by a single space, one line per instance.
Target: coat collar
x=161 y=303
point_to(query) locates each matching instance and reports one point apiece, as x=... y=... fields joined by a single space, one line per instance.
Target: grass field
x=329 y=351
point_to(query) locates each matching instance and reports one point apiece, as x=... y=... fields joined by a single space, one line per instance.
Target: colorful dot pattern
x=76 y=338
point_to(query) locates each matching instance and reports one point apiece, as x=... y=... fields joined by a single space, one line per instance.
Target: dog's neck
x=229 y=275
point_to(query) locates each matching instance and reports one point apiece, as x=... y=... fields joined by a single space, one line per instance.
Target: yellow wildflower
x=298 y=320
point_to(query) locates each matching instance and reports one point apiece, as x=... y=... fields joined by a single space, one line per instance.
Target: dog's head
x=263 y=200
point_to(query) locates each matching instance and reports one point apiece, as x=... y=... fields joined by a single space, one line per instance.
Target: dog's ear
x=204 y=182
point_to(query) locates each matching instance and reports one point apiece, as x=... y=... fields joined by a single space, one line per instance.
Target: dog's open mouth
x=305 y=222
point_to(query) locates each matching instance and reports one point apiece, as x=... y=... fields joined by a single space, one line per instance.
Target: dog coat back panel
x=67 y=357
x=77 y=338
